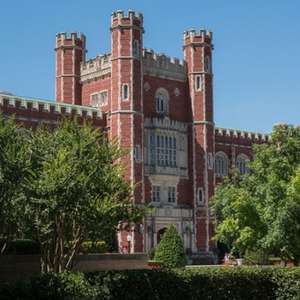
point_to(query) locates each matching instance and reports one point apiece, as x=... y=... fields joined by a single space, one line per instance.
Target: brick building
x=161 y=110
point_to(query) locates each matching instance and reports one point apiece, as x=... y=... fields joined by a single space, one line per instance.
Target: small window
x=137 y=153
x=200 y=197
x=207 y=65
x=125 y=92
x=161 y=101
x=136 y=49
x=156 y=193
x=198 y=83
x=171 y=194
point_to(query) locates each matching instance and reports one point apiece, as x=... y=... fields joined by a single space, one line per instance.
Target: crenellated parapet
x=201 y=36
x=39 y=109
x=133 y=18
x=64 y=39
x=234 y=134
x=161 y=65
x=96 y=67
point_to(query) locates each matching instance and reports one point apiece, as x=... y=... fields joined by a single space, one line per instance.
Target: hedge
x=199 y=283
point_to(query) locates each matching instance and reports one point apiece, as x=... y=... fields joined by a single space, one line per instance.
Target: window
x=99 y=99
x=241 y=164
x=198 y=83
x=125 y=92
x=221 y=164
x=207 y=64
x=156 y=193
x=137 y=153
x=163 y=150
x=171 y=194
x=200 y=197
x=161 y=100
x=136 y=49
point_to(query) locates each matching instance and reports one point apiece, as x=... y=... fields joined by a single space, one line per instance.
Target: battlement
x=96 y=67
x=198 y=33
x=131 y=14
x=32 y=104
x=161 y=65
x=242 y=135
x=64 y=38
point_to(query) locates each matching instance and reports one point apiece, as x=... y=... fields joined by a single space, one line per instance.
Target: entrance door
x=160 y=234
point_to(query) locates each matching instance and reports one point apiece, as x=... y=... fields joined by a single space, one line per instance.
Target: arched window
x=221 y=164
x=136 y=49
x=162 y=101
x=200 y=197
x=125 y=92
x=242 y=163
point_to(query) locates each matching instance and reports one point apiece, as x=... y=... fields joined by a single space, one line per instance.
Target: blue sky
x=256 y=57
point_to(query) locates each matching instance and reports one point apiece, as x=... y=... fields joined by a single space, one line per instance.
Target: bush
x=216 y=283
x=94 y=247
x=170 y=250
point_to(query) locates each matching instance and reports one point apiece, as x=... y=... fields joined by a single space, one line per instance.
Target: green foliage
x=257 y=211
x=94 y=247
x=170 y=250
x=76 y=191
x=14 y=168
x=61 y=187
x=197 y=283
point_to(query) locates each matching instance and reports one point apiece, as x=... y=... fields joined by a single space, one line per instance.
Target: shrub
x=216 y=283
x=170 y=250
x=94 y=247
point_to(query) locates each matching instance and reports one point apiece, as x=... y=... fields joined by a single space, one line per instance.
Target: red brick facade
x=160 y=110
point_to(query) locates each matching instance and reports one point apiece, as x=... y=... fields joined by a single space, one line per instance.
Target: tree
x=14 y=168
x=76 y=191
x=254 y=211
x=170 y=250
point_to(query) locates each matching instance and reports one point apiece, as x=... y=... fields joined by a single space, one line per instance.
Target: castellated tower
x=198 y=56
x=70 y=52
x=126 y=116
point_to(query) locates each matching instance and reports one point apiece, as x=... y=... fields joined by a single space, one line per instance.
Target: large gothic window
x=242 y=163
x=162 y=101
x=163 y=149
x=221 y=164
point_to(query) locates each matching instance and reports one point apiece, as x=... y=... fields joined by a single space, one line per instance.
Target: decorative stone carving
x=147 y=86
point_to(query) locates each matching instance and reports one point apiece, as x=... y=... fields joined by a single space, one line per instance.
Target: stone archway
x=160 y=233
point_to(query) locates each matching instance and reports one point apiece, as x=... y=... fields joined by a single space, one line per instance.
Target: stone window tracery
x=163 y=150
x=221 y=164
x=162 y=101
x=156 y=193
x=242 y=164
x=171 y=194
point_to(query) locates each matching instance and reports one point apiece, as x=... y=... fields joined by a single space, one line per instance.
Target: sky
x=256 y=60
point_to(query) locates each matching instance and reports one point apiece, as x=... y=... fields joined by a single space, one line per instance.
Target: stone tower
x=126 y=115
x=198 y=56
x=70 y=52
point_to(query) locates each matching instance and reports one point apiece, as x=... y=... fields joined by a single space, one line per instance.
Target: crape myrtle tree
x=75 y=192
x=14 y=167
x=261 y=211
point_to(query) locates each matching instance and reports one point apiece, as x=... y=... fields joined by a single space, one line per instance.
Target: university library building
x=161 y=110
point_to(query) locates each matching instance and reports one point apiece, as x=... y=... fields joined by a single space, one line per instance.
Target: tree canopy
x=260 y=211
x=73 y=191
